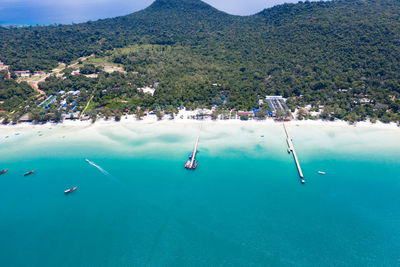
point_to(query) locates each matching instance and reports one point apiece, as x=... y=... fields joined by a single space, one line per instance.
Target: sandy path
x=35 y=84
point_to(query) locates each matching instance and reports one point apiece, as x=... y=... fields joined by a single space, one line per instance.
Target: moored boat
x=187 y=164
x=70 y=190
x=303 y=181
x=3 y=171
x=29 y=173
x=194 y=164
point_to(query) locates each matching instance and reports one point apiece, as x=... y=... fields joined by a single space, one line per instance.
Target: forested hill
x=173 y=21
x=333 y=53
x=165 y=21
x=318 y=25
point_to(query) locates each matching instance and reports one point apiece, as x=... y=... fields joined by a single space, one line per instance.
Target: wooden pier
x=191 y=164
x=194 y=152
x=293 y=151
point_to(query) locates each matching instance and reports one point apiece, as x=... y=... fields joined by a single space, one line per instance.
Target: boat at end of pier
x=303 y=181
x=189 y=166
x=194 y=164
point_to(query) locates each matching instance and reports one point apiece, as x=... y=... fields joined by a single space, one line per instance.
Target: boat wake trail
x=98 y=167
x=103 y=171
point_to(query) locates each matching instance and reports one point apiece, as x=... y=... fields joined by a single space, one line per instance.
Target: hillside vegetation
x=344 y=55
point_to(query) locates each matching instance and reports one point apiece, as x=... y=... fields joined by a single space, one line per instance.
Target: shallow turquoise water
x=239 y=208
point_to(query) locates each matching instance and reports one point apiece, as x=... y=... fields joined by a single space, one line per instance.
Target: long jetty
x=194 y=152
x=291 y=149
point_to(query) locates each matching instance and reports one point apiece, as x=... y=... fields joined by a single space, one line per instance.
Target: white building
x=23 y=73
x=147 y=90
x=3 y=67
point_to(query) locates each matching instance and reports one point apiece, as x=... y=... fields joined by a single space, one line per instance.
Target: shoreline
x=149 y=138
x=152 y=119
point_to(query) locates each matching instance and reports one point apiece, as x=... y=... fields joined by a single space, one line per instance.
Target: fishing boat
x=3 y=171
x=29 y=173
x=189 y=166
x=194 y=164
x=320 y=172
x=70 y=190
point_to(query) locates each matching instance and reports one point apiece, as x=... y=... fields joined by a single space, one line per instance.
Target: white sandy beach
x=131 y=135
x=182 y=120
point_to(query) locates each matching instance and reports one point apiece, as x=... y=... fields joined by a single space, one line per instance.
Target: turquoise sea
x=243 y=206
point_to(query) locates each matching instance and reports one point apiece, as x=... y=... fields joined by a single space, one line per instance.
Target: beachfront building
x=245 y=113
x=22 y=73
x=25 y=118
x=71 y=116
x=278 y=107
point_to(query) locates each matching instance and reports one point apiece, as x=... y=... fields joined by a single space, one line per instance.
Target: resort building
x=71 y=116
x=245 y=113
x=22 y=73
x=38 y=73
x=3 y=67
x=277 y=105
x=25 y=118
x=147 y=90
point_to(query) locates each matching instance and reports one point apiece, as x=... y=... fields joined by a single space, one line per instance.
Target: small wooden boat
x=3 y=171
x=70 y=190
x=29 y=173
x=189 y=166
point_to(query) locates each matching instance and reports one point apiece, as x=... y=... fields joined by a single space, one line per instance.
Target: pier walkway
x=194 y=152
x=192 y=163
x=293 y=151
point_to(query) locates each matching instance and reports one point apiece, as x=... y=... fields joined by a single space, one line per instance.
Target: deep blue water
x=44 y=12
x=239 y=208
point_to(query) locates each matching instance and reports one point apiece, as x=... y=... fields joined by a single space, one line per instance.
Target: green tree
x=159 y=114
x=139 y=114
